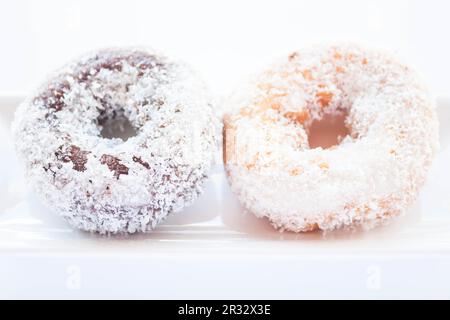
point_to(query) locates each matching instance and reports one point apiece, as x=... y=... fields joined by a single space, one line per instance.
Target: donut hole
x=116 y=126
x=328 y=131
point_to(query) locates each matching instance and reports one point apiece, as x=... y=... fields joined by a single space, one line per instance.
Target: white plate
x=214 y=250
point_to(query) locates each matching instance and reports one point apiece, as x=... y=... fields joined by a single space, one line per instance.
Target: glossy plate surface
x=214 y=250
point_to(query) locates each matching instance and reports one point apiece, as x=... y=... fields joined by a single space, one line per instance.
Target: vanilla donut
x=108 y=184
x=373 y=174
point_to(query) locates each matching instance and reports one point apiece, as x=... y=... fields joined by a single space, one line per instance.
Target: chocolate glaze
x=54 y=96
x=75 y=155
x=141 y=162
x=114 y=165
x=136 y=59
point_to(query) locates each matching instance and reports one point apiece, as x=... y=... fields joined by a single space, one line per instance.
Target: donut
x=110 y=184
x=367 y=177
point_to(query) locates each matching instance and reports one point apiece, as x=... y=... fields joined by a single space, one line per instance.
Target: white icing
x=177 y=137
x=373 y=174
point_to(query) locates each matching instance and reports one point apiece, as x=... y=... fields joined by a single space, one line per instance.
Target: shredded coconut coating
x=375 y=172
x=111 y=185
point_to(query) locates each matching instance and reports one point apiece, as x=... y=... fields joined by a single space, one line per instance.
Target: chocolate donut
x=105 y=183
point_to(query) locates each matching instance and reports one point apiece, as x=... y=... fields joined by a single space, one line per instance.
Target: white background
x=221 y=259
x=224 y=40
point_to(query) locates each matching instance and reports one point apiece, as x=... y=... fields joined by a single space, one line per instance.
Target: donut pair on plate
x=107 y=184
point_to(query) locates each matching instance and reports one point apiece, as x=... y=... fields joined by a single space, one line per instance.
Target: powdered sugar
x=374 y=173
x=111 y=185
